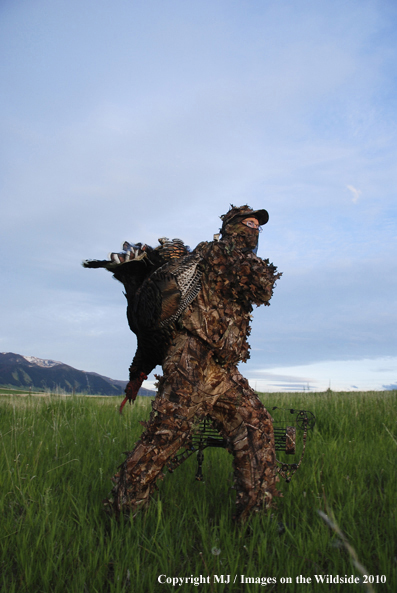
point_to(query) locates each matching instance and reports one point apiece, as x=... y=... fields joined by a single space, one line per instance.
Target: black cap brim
x=261 y=215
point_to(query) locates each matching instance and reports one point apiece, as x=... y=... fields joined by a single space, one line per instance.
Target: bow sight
x=285 y=438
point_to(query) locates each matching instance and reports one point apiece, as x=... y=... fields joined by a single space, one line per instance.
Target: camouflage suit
x=200 y=377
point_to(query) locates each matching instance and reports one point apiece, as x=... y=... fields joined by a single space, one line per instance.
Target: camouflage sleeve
x=242 y=277
x=255 y=278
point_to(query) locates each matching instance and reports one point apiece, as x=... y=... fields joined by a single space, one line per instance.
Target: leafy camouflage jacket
x=232 y=280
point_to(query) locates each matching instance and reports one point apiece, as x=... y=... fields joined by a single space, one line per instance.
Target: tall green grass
x=59 y=453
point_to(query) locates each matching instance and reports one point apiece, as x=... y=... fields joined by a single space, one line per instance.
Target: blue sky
x=139 y=119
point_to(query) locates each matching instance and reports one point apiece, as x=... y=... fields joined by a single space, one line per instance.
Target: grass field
x=59 y=453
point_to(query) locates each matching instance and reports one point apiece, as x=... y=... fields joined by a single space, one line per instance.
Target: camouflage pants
x=193 y=386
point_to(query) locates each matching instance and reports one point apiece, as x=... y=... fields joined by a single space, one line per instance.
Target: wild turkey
x=159 y=284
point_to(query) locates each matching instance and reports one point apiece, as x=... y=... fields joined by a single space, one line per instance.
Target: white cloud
x=339 y=375
x=356 y=193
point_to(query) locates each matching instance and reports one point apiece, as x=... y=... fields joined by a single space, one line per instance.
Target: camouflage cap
x=242 y=212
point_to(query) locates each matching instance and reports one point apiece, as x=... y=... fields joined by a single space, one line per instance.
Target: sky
x=138 y=119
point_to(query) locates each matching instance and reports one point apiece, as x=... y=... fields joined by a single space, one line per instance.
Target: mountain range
x=40 y=374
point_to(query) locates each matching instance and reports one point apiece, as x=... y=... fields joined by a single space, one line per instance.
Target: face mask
x=243 y=237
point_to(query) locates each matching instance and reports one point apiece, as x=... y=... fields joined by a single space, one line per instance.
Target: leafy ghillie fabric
x=198 y=331
x=231 y=282
x=193 y=386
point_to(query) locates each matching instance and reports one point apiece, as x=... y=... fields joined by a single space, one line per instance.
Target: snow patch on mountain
x=42 y=362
